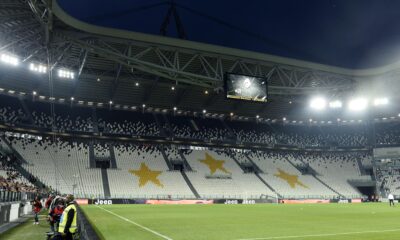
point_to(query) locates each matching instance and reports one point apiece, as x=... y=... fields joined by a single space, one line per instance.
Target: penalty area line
x=137 y=224
x=321 y=235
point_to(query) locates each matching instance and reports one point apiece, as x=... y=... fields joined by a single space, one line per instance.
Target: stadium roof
x=351 y=34
x=135 y=68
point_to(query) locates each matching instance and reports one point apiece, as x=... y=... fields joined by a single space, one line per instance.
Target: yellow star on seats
x=292 y=180
x=145 y=175
x=214 y=164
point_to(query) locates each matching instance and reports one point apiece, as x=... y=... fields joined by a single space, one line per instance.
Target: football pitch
x=245 y=222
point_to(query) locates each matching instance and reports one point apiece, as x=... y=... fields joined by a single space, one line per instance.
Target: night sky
x=346 y=33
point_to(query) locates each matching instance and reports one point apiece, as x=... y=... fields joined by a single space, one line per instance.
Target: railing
x=6 y=196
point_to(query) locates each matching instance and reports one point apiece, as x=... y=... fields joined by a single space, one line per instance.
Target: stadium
x=199 y=120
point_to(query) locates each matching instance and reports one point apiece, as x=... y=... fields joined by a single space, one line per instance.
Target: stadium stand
x=283 y=176
x=59 y=163
x=139 y=162
x=337 y=169
x=216 y=175
x=327 y=174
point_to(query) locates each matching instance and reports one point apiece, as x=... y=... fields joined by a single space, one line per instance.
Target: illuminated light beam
x=381 y=101
x=335 y=104
x=62 y=73
x=9 y=59
x=39 y=68
x=318 y=103
x=358 y=104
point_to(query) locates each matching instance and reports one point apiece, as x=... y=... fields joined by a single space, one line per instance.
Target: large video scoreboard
x=243 y=87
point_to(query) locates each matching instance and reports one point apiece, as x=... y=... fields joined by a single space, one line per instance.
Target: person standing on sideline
x=68 y=225
x=55 y=214
x=37 y=207
x=391 y=199
x=48 y=201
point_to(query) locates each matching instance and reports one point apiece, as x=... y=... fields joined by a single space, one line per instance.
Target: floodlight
x=63 y=73
x=335 y=104
x=358 y=104
x=39 y=68
x=9 y=59
x=318 y=103
x=381 y=101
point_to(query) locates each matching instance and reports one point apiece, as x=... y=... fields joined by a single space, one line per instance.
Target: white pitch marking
x=321 y=235
x=137 y=224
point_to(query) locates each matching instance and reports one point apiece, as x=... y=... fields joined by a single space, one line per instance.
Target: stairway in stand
x=106 y=185
x=194 y=191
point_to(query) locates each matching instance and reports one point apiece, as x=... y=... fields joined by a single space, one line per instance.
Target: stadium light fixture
x=358 y=104
x=39 y=68
x=318 y=103
x=9 y=59
x=335 y=104
x=63 y=73
x=137 y=84
x=381 y=101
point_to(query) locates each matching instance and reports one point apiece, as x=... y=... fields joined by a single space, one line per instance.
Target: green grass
x=230 y=222
x=28 y=231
